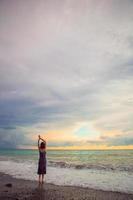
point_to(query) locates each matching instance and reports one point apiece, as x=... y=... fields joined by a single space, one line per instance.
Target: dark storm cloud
x=12 y=138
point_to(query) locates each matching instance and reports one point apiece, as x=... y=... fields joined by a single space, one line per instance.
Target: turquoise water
x=92 y=159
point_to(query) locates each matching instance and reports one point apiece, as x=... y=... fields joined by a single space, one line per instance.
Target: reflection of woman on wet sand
x=42 y=159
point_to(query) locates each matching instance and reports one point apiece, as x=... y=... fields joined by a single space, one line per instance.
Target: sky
x=66 y=73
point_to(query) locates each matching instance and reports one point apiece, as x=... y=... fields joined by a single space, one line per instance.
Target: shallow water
x=119 y=160
x=108 y=170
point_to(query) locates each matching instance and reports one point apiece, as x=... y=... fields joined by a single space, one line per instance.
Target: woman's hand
x=39 y=138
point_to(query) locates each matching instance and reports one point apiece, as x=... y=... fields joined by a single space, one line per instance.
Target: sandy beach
x=19 y=189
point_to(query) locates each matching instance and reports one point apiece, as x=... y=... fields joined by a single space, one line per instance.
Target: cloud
x=66 y=63
x=122 y=141
x=13 y=138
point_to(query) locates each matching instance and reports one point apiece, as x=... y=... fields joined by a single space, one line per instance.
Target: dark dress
x=42 y=163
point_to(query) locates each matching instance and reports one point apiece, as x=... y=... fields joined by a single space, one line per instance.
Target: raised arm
x=39 y=138
x=42 y=140
x=38 y=141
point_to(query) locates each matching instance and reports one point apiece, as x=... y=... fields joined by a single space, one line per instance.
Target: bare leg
x=39 y=178
x=42 y=178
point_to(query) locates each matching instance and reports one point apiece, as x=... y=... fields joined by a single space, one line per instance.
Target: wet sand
x=19 y=189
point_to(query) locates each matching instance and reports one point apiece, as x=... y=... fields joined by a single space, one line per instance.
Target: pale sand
x=19 y=189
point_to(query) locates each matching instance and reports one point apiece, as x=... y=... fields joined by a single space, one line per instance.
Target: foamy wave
x=97 y=179
x=98 y=166
x=62 y=164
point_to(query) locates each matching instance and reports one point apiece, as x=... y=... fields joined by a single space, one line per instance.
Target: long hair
x=42 y=145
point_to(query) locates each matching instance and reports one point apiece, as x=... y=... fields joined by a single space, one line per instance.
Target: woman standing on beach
x=42 y=159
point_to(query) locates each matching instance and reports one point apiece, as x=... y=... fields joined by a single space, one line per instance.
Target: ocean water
x=100 y=169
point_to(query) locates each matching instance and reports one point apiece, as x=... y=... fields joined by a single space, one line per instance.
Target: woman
x=42 y=159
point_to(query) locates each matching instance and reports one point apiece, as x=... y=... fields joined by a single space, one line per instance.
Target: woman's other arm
x=38 y=141
x=42 y=140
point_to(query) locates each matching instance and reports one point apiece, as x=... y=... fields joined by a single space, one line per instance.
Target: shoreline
x=19 y=189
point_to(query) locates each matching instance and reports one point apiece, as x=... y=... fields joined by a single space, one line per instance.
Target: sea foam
x=97 y=179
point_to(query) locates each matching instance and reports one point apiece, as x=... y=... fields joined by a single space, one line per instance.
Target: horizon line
x=51 y=149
